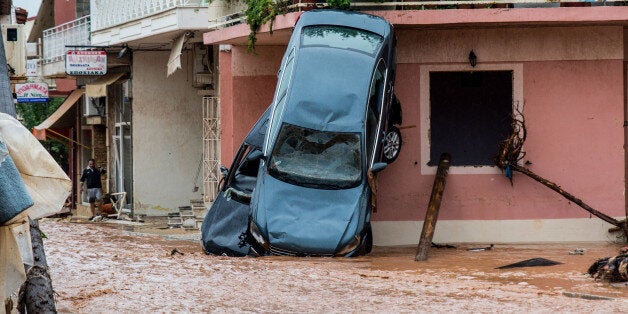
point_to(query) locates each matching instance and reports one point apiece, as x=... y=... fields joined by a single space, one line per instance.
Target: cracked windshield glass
x=314 y=158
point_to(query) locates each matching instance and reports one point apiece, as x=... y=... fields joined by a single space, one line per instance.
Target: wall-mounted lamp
x=473 y=59
x=124 y=51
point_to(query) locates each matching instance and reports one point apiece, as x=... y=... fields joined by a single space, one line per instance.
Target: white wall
x=167 y=134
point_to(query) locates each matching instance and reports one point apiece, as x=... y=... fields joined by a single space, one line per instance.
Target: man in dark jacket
x=91 y=180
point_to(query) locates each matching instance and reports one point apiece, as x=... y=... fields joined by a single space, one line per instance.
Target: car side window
x=236 y=164
x=282 y=92
x=371 y=131
x=376 y=92
x=286 y=76
x=376 y=96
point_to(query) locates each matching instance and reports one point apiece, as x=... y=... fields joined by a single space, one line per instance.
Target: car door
x=227 y=219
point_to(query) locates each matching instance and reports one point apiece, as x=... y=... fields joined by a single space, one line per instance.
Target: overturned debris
x=479 y=249
x=611 y=269
x=533 y=262
x=443 y=246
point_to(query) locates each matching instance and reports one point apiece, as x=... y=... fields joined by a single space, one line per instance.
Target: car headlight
x=258 y=237
x=352 y=245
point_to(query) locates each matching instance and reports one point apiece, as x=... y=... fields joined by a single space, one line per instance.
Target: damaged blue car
x=332 y=125
x=224 y=228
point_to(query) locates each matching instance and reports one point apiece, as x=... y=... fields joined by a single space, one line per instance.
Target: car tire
x=392 y=144
x=368 y=242
x=396 y=116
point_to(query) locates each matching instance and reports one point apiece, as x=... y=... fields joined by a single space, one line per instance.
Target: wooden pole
x=36 y=295
x=431 y=215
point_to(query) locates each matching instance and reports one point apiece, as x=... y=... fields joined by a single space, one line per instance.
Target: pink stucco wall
x=247 y=85
x=65 y=11
x=573 y=103
x=574 y=114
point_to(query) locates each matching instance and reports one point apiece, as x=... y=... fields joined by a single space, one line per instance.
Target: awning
x=60 y=118
x=174 y=61
x=98 y=88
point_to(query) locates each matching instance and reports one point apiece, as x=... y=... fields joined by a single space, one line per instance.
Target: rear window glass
x=341 y=37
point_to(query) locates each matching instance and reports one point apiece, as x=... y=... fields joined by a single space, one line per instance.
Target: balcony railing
x=108 y=13
x=235 y=16
x=73 y=33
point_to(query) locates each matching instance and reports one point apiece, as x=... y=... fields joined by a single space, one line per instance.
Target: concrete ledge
x=387 y=233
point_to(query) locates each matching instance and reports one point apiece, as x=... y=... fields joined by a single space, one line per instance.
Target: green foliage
x=339 y=4
x=259 y=12
x=35 y=113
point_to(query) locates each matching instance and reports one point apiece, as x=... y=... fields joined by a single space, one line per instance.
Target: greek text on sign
x=32 y=92
x=84 y=62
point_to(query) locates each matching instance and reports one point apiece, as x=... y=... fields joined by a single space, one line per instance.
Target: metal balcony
x=225 y=13
x=109 y=13
x=73 y=33
x=136 y=22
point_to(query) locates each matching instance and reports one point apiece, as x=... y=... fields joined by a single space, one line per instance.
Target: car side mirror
x=378 y=166
x=223 y=171
x=255 y=156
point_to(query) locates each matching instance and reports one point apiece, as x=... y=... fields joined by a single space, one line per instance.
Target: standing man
x=91 y=179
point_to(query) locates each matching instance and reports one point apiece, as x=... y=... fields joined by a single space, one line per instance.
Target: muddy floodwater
x=106 y=268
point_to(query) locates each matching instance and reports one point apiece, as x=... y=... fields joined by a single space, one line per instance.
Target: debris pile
x=611 y=269
x=188 y=217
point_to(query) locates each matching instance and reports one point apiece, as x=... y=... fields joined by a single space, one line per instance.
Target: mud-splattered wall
x=167 y=134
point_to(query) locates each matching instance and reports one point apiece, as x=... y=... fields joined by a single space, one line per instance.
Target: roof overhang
x=63 y=117
x=421 y=19
x=154 y=32
x=98 y=88
x=45 y=19
x=238 y=34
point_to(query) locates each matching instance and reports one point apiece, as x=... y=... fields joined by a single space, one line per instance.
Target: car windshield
x=341 y=37
x=318 y=159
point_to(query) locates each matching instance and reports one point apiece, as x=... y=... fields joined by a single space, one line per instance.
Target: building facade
x=142 y=120
x=563 y=68
x=181 y=92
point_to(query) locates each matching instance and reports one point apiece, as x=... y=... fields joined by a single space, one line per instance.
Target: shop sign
x=32 y=92
x=31 y=67
x=86 y=62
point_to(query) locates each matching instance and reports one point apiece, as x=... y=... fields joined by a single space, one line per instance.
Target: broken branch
x=510 y=153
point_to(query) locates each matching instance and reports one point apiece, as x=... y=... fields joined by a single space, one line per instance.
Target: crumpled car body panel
x=308 y=221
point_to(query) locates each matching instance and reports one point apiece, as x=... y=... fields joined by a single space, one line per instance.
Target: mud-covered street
x=105 y=268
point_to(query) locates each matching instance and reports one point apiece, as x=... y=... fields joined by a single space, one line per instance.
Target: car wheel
x=392 y=144
x=368 y=242
x=366 y=246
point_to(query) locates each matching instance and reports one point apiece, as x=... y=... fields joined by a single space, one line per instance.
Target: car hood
x=305 y=220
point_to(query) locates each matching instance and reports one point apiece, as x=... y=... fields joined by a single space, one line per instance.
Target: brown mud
x=102 y=268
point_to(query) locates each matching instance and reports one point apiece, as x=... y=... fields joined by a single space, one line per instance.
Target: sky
x=32 y=6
